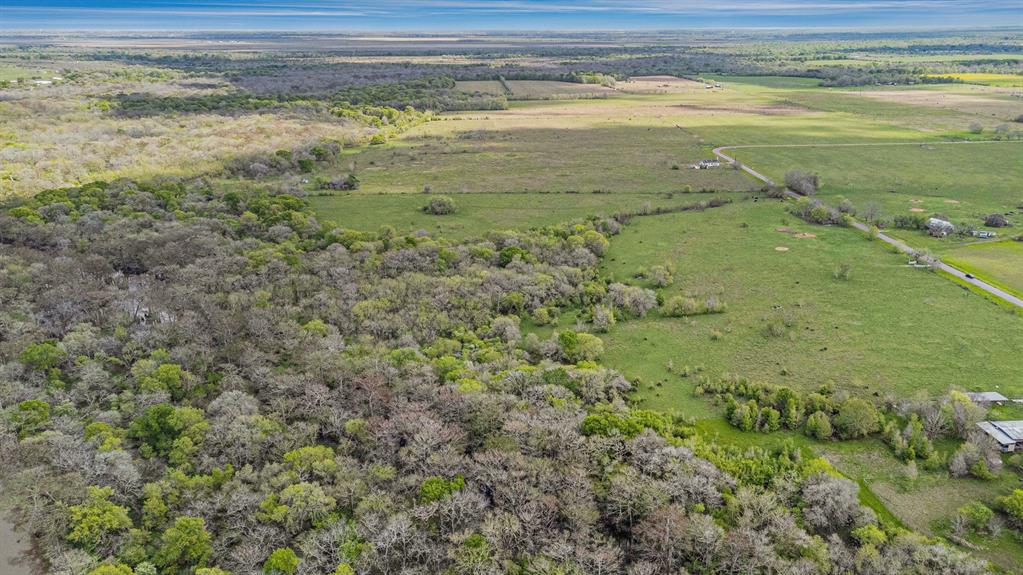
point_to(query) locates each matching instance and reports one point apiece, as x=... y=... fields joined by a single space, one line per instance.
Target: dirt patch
x=805 y=235
x=915 y=201
x=916 y=210
x=757 y=109
x=784 y=230
x=659 y=85
x=968 y=103
x=951 y=201
x=781 y=249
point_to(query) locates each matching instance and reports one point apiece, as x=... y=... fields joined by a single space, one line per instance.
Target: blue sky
x=439 y=15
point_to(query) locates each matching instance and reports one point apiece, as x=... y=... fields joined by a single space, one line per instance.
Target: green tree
x=818 y=425
x=856 y=418
x=437 y=488
x=162 y=427
x=184 y=545
x=97 y=519
x=312 y=461
x=30 y=417
x=580 y=346
x=282 y=561
x=297 y=505
x=42 y=356
x=869 y=534
x=112 y=569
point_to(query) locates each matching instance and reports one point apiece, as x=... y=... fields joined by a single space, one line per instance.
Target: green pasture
x=479 y=213
x=885 y=331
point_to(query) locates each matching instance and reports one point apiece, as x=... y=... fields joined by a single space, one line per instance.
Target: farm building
x=986 y=398
x=939 y=228
x=1008 y=434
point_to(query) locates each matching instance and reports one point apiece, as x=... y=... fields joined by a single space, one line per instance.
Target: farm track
x=900 y=245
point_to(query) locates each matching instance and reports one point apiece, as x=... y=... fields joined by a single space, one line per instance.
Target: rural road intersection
x=902 y=246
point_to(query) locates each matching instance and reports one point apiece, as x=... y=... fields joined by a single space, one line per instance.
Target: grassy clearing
x=876 y=333
x=1000 y=263
x=9 y=72
x=777 y=82
x=480 y=213
x=579 y=145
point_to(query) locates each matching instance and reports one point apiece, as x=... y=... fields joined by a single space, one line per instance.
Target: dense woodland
x=197 y=382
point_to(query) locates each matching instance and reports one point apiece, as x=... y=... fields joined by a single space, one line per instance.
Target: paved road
x=902 y=246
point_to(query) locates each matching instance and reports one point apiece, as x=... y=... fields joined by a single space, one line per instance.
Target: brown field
x=482 y=86
x=983 y=102
x=543 y=89
x=659 y=85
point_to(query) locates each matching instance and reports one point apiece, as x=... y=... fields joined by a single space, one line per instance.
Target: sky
x=481 y=15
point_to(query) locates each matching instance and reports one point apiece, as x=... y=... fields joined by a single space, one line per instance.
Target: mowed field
x=967 y=180
x=998 y=262
x=885 y=331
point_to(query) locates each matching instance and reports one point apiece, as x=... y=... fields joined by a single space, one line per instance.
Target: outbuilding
x=1008 y=434
x=986 y=398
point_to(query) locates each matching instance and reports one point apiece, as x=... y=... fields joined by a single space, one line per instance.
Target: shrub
x=661 y=276
x=869 y=534
x=818 y=425
x=977 y=515
x=856 y=418
x=440 y=206
x=843 y=272
x=803 y=183
x=996 y=221
x=1012 y=505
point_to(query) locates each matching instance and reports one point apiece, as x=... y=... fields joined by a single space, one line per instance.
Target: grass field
x=8 y=72
x=889 y=330
x=879 y=332
x=960 y=180
x=576 y=145
x=479 y=213
x=1000 y=263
